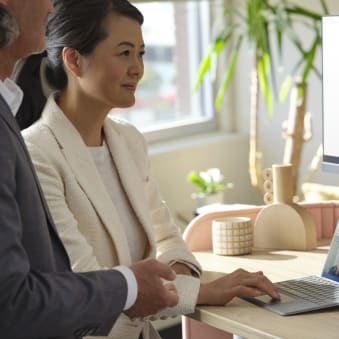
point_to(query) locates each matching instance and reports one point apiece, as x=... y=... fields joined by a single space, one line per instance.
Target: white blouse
x=135 y=235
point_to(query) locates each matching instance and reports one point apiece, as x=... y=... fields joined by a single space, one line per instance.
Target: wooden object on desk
x=282 y=184
x=250 y=321
x=285 y=226
x=198 y=233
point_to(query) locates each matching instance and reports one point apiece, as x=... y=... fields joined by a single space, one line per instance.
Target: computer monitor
x=330 y=85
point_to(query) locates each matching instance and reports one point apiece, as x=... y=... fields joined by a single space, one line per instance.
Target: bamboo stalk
x=255 y=154
x=294 y=131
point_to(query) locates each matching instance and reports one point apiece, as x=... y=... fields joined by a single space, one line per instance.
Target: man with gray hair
x=40 y=297
x=9 y=30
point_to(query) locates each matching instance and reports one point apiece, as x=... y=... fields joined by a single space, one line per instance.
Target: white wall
x=230 y=153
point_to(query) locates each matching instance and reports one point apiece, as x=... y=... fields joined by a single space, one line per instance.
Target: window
x=176 y=35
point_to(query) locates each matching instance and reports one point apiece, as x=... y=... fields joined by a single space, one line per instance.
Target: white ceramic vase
x=202 y=199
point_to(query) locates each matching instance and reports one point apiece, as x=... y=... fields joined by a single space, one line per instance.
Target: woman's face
x=111 y=73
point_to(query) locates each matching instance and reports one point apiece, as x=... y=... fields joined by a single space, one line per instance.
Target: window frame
x=194 y=126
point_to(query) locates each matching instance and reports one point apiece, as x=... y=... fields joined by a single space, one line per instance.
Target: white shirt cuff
x=132 y=285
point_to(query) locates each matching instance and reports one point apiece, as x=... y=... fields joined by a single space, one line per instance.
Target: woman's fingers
x=258 y=281
x=237 y=283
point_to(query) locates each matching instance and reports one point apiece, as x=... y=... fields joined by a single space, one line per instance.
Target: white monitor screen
x=330 y=61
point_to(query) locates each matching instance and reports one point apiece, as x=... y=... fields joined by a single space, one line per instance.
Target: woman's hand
x=239 y=282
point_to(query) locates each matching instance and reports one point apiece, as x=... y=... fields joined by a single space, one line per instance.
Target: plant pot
x=202 y=199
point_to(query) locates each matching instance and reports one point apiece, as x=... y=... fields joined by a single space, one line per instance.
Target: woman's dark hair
x=79 y=24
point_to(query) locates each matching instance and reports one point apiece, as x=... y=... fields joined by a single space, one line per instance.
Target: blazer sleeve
x=37 y=297
x=170 y=245
x=172 y=248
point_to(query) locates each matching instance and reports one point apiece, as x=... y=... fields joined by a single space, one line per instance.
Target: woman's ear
x=71 y=59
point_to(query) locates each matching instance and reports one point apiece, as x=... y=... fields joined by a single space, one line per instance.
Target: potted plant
x=210 y=186
x=258 y=21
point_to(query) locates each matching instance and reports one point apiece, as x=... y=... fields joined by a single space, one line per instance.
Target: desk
x=250 y=321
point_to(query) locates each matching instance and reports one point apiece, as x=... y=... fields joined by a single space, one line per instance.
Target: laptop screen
x=331 y=267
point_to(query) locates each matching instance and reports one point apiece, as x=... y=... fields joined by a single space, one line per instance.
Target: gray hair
x=9 y=29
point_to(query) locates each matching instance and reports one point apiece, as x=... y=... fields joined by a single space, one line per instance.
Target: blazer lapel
x=86 y=174
x=130 y=177
x=8 y=117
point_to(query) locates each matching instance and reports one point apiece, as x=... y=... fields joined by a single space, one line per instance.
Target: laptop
x=310 y=293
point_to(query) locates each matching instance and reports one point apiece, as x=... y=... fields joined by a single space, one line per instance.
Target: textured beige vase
x=232 y=236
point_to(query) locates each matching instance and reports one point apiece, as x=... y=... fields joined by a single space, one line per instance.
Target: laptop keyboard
x=312 y=288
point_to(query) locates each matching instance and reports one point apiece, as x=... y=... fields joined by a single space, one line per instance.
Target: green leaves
x=208 y=182
x=228 y=76
x=195 y=178
x=263 y=68
x=262 y=22
x=253 y=25
x=285 y=88
x=212 y=55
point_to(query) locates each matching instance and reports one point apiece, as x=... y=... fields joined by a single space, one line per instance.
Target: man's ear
x=71 y=59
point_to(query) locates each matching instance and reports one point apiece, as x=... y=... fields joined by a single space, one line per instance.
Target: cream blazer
x=85 y=216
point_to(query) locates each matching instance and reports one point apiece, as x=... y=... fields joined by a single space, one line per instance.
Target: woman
x=94 y=169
